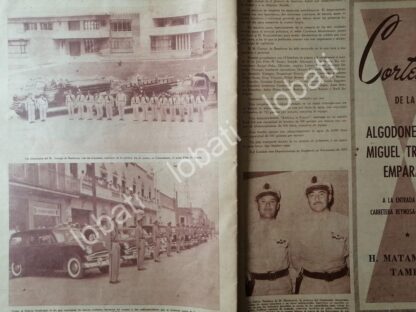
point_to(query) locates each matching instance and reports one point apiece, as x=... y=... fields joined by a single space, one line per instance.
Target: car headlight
x=88 y=249
x=126 y=245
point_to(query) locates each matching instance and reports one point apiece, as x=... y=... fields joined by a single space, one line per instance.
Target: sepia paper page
x=384 y=132
x=295 y=156
x=118 y=166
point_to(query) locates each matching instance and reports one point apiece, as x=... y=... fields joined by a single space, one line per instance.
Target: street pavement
x=190 y=278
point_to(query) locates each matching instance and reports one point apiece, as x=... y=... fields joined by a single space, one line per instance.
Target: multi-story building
x=167 y=208
x=191 y=216
x=150 y=31
x=44 y=195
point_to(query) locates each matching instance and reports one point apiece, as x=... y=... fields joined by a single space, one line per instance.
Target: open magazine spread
x=119 y=140
x=124 y=124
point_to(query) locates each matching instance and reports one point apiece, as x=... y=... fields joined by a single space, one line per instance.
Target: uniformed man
x=191 y=107
x=135 y=104
x=178 y=238
x=89 y=99
x=70 y=104
x=115 y=254
x=121 y=101
x=169 y=239
x=144 y=105
x=183 y=105
x=156 y=240
x=172 y=108
x=140 y=243
x=154 y=102
x=319 y=249
x=164 y=106
x=268 y=247
x=42 y=104
x=80 y=103
x=109 y=104
x=99 y=106
x=200 y=105
x=30 y=105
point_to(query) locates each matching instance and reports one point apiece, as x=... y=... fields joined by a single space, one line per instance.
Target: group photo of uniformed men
x=153 y=107
x=298 y=235
x=108 y=105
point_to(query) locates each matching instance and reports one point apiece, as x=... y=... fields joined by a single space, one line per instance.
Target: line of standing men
x=34 y=103
x=164 y=107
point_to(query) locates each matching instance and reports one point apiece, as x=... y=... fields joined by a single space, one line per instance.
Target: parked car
x=55 y=249
x=128 y=250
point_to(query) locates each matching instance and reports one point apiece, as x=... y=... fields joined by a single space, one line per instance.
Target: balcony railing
x=106 y=190
x=36 y=176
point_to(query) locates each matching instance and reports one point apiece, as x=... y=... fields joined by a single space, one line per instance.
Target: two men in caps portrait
x=305 y=255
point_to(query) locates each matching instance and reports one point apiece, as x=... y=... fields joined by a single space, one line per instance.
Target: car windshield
x=63 y=236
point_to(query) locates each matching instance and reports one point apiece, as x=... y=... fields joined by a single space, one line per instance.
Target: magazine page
x=118 y=166
x=384 y=134
x=295 y=156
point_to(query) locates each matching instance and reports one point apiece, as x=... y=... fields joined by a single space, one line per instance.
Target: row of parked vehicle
x=66 y=249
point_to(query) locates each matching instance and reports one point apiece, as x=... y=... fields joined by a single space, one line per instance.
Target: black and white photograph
x=112 y=234
x=143 y=70
x=297 y=233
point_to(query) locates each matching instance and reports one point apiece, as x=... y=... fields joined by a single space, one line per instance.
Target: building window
x=121 y=25
x=163 y=43
x=46 y=26
x=91 y=25
x=30 y=26
x=90 y=46
x=74 y=25
x=121 y=45
x=18 y=46
x=176 y=21
x=73 y=169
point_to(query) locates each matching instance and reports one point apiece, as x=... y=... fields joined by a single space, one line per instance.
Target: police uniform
x=80 y=100
x=200 y=104
x=268 y=253
x=144 y=100
x=70 y=104
x=42 y=104
x=164 y=107
x=109 y=104
x=191 y=107
x=140 y=245
x=121 y=103
x=172 y=108
x=30 y=106
x=135 y=104
x=89 y=99
x=152 y=107
x=319 y=249
x=156 y=241
x=114 y=255
x=169 y=239
x=100 y=106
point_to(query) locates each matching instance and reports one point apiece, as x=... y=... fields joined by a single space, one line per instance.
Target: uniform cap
x=318 y=184
x=267 y=189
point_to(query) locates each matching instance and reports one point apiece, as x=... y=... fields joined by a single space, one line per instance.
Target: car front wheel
x=17 y=269
x=104 y=269
x=74 y=267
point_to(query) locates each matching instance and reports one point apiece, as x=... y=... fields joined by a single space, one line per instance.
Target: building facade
x=151 y=32
x=46 y=195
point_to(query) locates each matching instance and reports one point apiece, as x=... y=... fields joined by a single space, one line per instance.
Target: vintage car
x=55 y=249
x=127 y=239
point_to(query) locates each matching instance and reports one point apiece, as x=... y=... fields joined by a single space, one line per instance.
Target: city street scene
x=106 y=73
x=112 y=234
